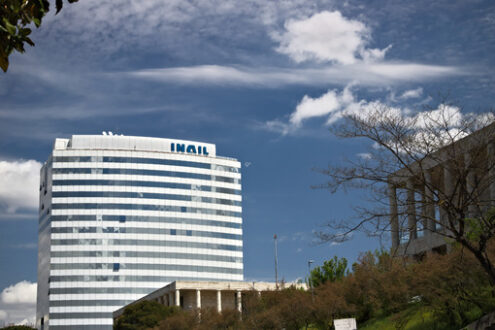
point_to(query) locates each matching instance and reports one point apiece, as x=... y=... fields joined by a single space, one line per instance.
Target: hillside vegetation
x=380 y=291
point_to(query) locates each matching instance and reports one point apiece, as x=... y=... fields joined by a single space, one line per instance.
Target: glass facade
x=123 y=216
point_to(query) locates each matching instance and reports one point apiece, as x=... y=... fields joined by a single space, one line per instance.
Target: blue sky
x=263 y=80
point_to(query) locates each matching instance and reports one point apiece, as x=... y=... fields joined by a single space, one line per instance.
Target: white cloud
x=412 y=93
x=19 y=181
x=20 y=293
x=101 y=27
x=18 y=303
x=334 y=105
x=364 y=155
x=321 y=106
x=327 y=37
x=366 y=74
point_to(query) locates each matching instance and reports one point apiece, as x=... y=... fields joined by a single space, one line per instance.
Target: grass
x=413 y=318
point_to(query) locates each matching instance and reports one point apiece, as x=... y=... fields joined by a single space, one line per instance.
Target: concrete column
x=239 y=301
x=429 y=204
x=198 y=299
x=448 y=196
x=470 y=182
x=491 y=171
x=394 y=215
x=170 y=299
x=219 y=301
x=411 y=210
x=177 y=297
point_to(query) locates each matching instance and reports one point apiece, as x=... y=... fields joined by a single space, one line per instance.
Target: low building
x=191 y=295
x=429 y=196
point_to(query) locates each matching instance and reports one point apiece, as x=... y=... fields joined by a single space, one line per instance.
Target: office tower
x=121 y=216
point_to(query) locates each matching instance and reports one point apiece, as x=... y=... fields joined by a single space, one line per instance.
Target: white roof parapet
x=136 y=143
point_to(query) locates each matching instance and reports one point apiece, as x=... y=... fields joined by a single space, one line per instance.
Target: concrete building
x=426 y=197
x=123 y=216
x=191 y=295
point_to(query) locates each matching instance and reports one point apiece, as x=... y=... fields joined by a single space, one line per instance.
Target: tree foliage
x=331 y=270
x=453 y=289
x=144 y=315
x=16 y=17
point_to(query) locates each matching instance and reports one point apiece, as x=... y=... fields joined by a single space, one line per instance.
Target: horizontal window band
x=127 y=278
x=89 y=315
x=154 y=231
x=138 y=183
x=131 y=171
x=138 y=242
x=81 y=327
x=139 y=160
x=149 y=207
x=142 y=254
x=64 y=303
x=134 y=218
x=100 y=290
x=145 y=195
x=143 y=266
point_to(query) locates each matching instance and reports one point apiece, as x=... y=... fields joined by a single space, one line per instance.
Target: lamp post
x=276 y=261
x=310 y=261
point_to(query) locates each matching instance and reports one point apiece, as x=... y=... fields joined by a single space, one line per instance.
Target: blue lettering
x=181 y=148
x=191 y=149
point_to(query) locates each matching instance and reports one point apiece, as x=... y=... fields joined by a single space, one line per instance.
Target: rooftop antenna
x=276 y=261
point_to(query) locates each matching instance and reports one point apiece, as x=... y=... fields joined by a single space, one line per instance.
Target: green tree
x=15 y=18
x=144 y=315
x=332 y=270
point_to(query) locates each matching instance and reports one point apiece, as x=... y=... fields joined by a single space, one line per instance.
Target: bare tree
x=429 y=175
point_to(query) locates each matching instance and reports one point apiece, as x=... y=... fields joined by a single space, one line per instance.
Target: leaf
x=59 y=4
x=37 y=21
x=29 y=41
x=24 y=32
x=4 y=63
x=11 y=29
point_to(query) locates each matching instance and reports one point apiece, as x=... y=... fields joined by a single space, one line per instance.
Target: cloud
x=321 y=106
x=18 y=303
x=327 y=37
x=364 y=155
x=19 y=181
x=21 y=293
x=412 y=94
x=366 y=74
x=174 y=27
x=334 y=105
